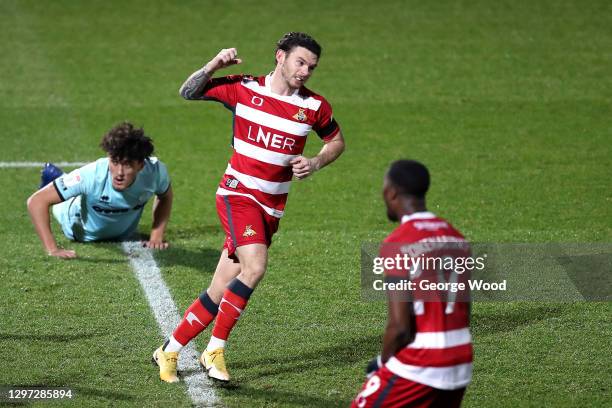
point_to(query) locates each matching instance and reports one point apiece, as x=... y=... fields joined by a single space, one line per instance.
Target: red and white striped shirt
x=269 y=131
x=441 y=354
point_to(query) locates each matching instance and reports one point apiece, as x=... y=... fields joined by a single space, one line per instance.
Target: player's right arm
x=400 y=328
x=401 y=320
x=193 y=87
x=38 y=208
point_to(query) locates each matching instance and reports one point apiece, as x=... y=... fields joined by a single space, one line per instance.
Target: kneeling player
x=426 y=359
x=104 y=200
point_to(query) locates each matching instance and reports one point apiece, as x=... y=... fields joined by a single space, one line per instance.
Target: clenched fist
x=225 y=58
x=303 y=167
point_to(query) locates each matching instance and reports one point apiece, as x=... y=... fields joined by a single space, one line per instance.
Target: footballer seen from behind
x=104 y=200
x=272 y=116
x=426 y=358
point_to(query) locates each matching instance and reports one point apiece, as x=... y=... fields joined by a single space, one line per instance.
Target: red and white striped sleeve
x=224 y=90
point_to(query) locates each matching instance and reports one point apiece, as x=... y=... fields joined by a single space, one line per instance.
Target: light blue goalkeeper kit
x=93 y=210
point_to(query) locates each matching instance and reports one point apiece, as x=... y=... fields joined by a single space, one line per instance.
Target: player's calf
x=235 y=299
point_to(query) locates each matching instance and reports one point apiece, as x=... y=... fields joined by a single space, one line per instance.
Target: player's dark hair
x=296 y=39
x=124 y=142
x=410 y=177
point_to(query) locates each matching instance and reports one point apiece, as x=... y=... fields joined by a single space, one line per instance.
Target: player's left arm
x=162 y=207
x=304 y=166
x=193 y=87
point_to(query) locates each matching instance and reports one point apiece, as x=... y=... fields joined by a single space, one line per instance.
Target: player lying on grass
x=273 y=114
x=426 y=359
x=104 y=200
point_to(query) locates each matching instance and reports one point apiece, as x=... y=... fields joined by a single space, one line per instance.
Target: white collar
x=421 y=215
x=268 y=85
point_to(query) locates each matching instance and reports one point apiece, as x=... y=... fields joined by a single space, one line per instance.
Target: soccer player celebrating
x=104 y=200
x=426 y=358
x=273 y=114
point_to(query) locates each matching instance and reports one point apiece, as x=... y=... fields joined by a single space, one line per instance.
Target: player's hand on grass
x=155 y=244
x=63 y=253
x=303 y=167
x=225 y=58
x=373 y=366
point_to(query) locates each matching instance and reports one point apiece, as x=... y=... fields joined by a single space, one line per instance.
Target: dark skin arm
x=401 y=326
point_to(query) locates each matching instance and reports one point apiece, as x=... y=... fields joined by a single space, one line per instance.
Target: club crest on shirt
x=301 y=115
x=248 y=231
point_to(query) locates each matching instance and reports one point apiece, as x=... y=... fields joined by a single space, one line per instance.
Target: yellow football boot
x=166 y=361
x=214 y=364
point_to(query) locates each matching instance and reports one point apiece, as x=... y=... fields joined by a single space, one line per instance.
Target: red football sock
x=233 y=303
x=196 y=318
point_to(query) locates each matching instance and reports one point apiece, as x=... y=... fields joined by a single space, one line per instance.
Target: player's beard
x=391 y=215
x=290 y=78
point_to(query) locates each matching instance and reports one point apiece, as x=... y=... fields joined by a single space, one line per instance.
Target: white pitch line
x=17 y=165
x=199 y=386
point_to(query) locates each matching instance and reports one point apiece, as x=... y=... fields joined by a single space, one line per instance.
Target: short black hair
x=410 y=177
x=297 y=39
x=124 y=142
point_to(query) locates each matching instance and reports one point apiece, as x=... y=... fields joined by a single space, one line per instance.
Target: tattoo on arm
x=194 y=85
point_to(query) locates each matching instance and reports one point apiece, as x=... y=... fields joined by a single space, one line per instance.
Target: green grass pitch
x=508 y=102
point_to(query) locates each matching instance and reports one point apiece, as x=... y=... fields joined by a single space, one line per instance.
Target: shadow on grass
x=106 y=394
x=270 y=396
x=195 y=231
x=517 y=315
x=202 y=259
x=345 y=353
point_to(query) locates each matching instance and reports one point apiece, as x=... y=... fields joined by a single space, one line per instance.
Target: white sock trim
x=215 y=343
x=173 y=345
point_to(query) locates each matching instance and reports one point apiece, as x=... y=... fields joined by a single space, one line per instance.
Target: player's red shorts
x=385 y=389
x=244 y=222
